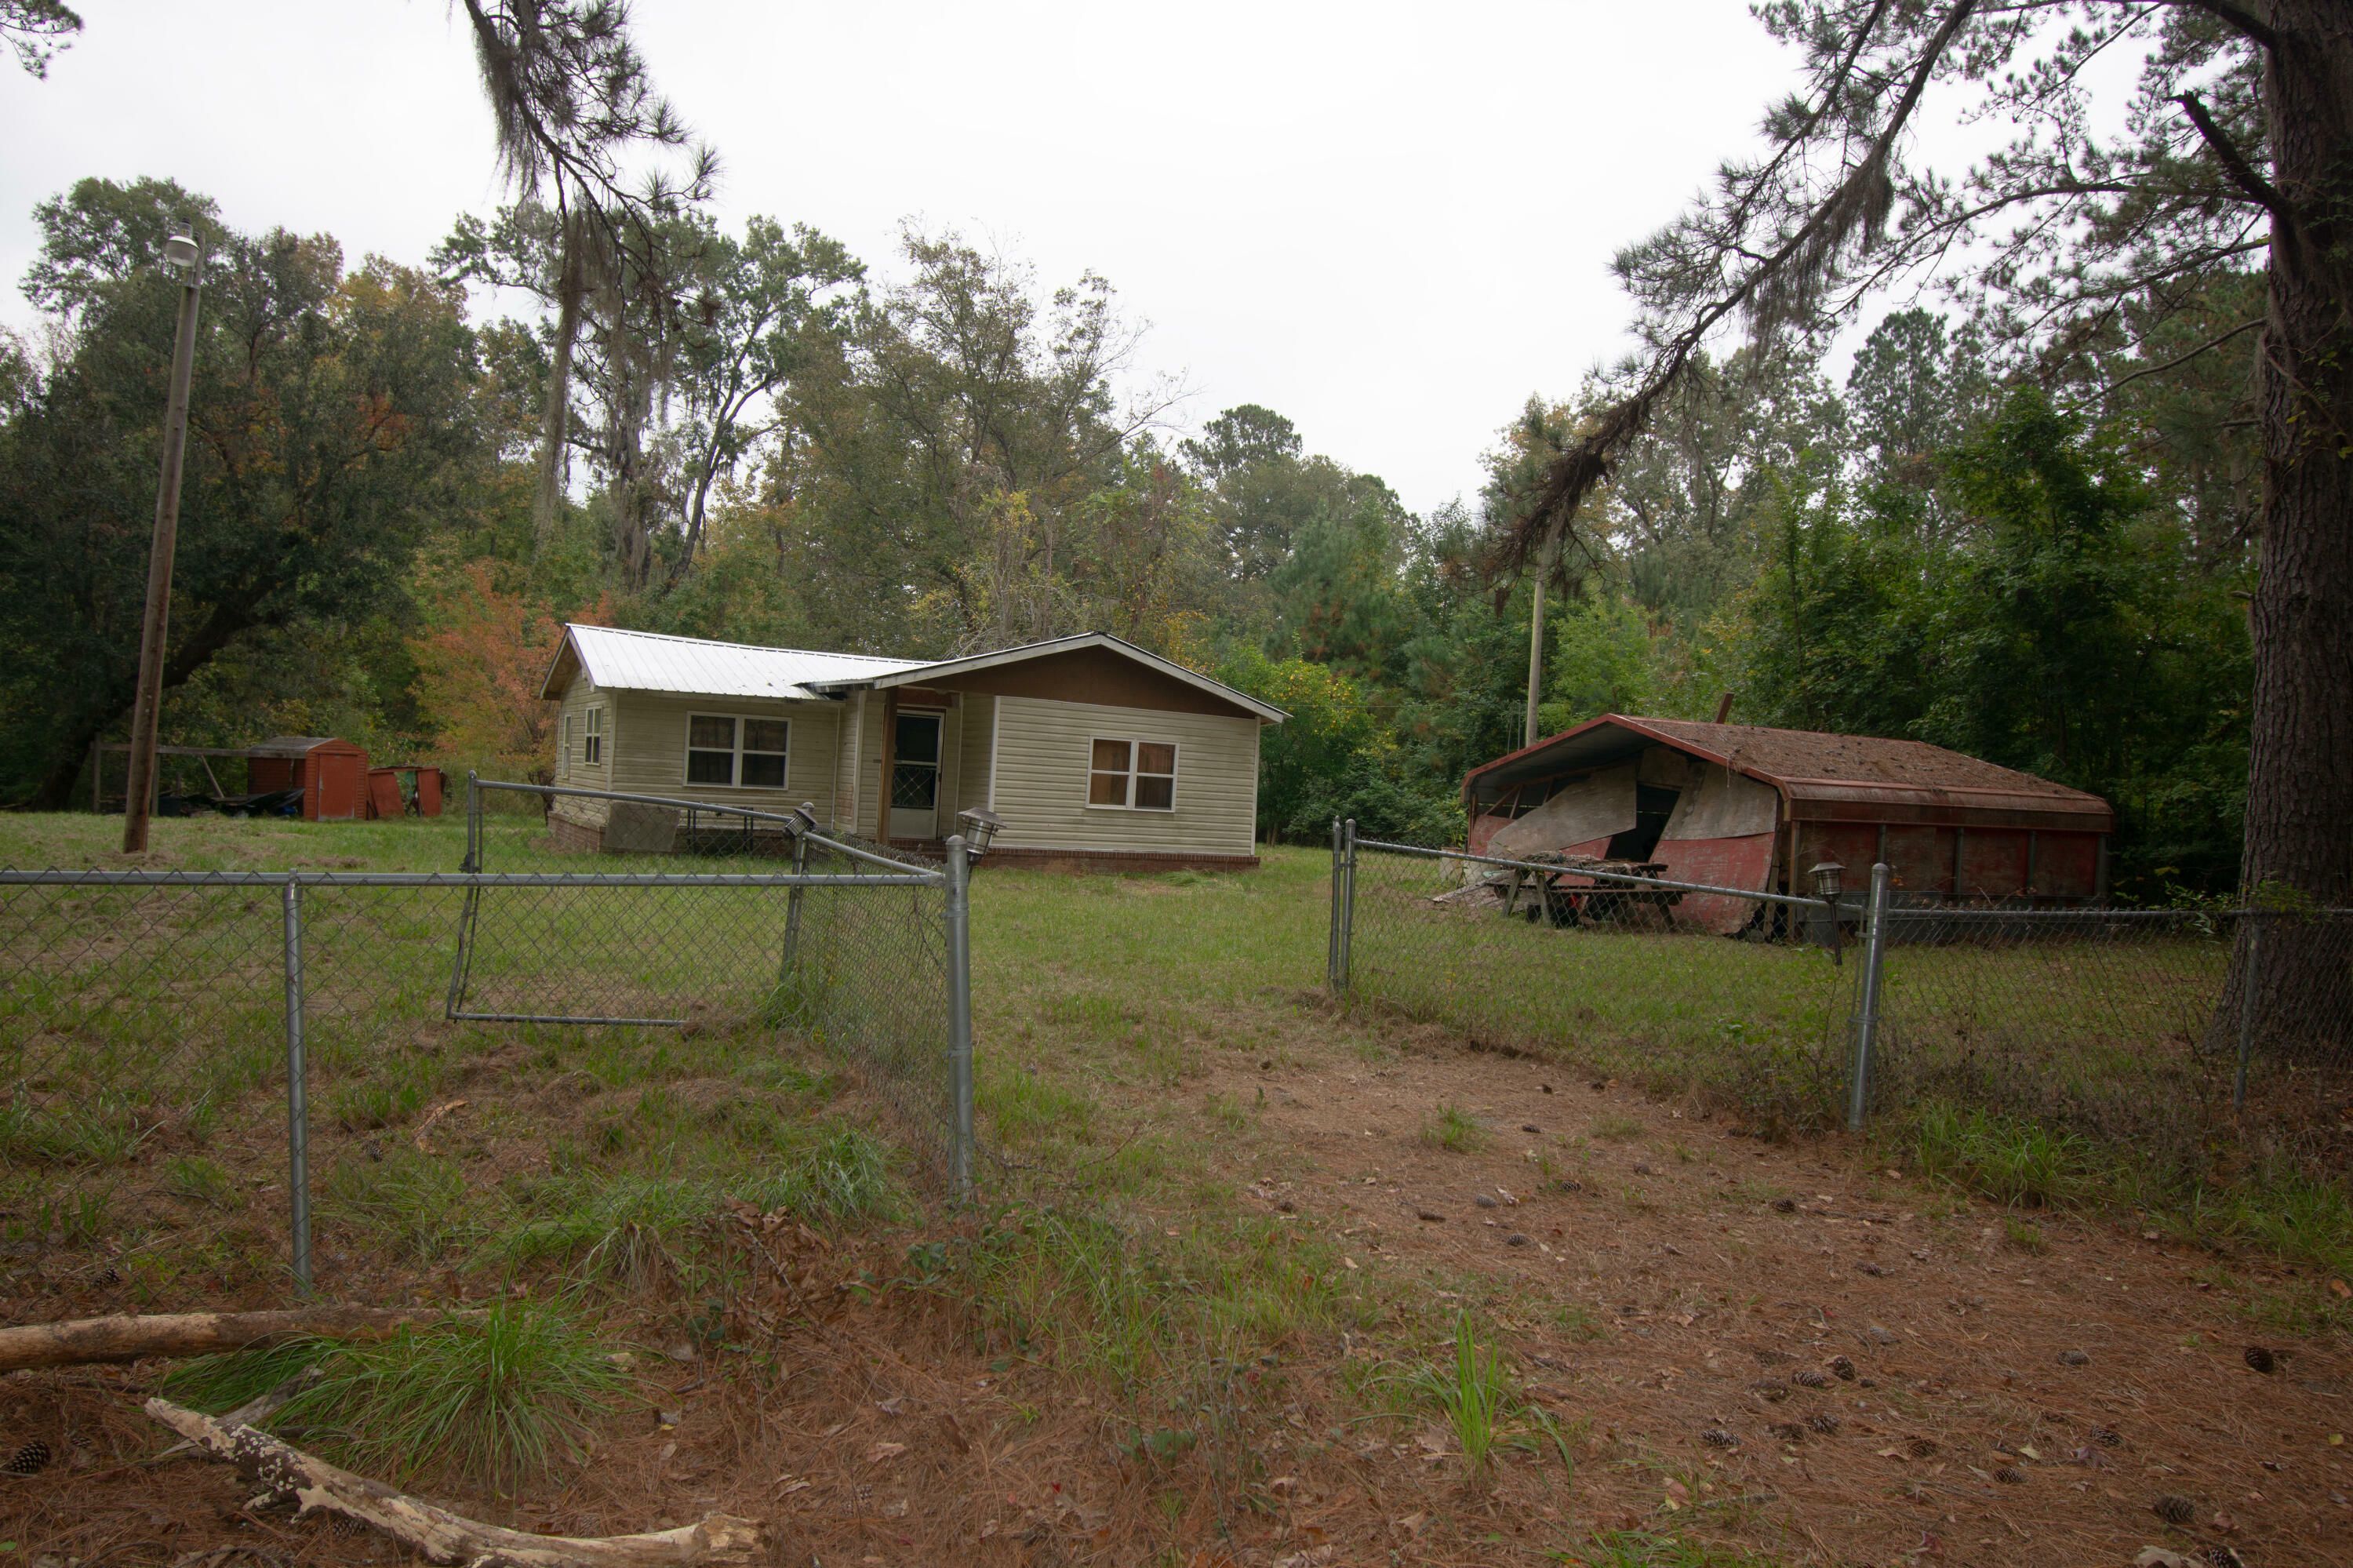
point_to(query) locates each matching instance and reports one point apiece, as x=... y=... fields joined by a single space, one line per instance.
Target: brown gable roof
x=1820 y=774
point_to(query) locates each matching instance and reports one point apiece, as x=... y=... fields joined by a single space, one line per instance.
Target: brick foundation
x=574 y=838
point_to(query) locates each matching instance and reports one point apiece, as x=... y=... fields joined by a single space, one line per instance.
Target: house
x=1742 y=806
x=1096 y=754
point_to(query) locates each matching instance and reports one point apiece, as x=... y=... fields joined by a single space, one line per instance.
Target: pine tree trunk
x=547 y=497
x=2299 y=831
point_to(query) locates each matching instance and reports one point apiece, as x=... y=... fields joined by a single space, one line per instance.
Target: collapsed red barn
x=1736 y=805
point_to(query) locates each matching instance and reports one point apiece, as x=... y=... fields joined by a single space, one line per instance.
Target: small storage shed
x=1743 y=806
x=331 y=773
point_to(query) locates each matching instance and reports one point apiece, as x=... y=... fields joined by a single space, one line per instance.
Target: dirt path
x=1853 y=1362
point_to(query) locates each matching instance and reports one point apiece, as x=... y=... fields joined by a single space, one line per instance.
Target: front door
x=915 y=776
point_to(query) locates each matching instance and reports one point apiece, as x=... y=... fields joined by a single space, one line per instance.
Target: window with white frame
x=735 y=751
x=591 y=743
x=1133 y=774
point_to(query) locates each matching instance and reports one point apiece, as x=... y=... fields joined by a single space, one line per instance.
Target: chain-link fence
x=2156 y=1028
x=1559 y=956
x=2166 y=1030
x=181 y=1052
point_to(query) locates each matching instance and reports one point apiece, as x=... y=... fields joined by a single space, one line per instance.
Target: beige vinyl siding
x=849 y=728
x=1043 y=749
x=979 y=711
x=649 y=751
x=866 y=812
x=578 y=698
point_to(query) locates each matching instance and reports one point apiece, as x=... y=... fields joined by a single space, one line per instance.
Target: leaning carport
x=1748 y=806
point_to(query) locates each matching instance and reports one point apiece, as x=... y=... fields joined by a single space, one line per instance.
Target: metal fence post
x=793 y=899
x=2247 y=1011
x=298 y=1110
x=1332 y=940
x=1866 y=1018
x=1347 y=899
x=473 y=861
x=959 y=920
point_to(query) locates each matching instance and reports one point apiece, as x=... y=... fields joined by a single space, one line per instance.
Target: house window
x=1133 y=774
x=592 y=746
x=744 y=753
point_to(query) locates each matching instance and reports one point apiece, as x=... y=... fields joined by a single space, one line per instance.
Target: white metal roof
x=648 y=661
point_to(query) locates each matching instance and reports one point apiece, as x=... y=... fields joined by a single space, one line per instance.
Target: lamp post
x=183 y=260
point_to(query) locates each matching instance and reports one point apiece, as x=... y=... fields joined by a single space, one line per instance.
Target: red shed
x=331 y=773
x=1739 y=805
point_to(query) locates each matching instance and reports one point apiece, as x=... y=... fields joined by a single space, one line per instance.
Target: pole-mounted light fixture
x=1829 y=877
x=980 y=824
x=182 y=257
x=804 y=819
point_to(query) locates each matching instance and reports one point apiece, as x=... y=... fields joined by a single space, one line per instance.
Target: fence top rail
x=1645 y=883
x=459 y=879
x=783 y=818
x=2091 y=914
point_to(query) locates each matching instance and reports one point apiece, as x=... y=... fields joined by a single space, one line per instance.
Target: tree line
x=2031 y=521
x=764 y=444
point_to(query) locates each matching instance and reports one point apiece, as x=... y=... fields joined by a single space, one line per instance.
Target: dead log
x=441 y=1536
x=254 y=1411
x=129 y=1337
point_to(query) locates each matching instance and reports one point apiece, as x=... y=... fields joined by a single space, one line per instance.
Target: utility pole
x=183 y=261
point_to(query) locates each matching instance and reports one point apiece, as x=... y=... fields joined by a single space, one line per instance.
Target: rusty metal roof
x=1863 y=778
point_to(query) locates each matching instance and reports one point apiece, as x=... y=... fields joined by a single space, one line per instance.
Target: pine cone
x=1788 y=1431
x=1810 y=1378
x=2011 y=1476
x=2107 y=1437
x=28 y=1459
x=2175 y=1508
x=1824 y=1422
x=1842 y=1369
x=1717 y=1437
x=1766 y=1389
x=1921 y=1447
x=2262 y=1360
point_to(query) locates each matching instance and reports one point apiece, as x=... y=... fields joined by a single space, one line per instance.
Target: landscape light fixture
x=980 y=825
x=1828 y=877
x=803 y=818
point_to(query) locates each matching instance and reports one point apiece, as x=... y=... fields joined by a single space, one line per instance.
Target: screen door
x=915 y=776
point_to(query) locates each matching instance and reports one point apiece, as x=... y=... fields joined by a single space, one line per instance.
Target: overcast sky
x=1390 y=223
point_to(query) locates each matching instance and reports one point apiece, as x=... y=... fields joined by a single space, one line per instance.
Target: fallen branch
x=253 y=1412
x=129 y=1338
x=440 y=1535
